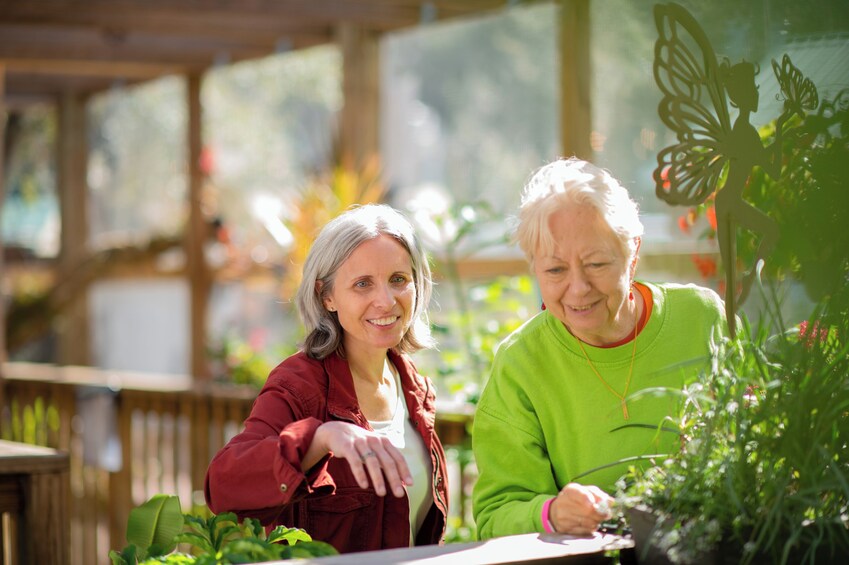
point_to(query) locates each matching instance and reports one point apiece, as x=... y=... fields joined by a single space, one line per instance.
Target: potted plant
x=762 y=474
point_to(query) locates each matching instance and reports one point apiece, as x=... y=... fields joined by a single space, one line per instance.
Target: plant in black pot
x=762 y=474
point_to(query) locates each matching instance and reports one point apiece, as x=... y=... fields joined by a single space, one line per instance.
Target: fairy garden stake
x=712 y=154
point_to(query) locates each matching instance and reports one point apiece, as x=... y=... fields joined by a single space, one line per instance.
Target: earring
x=631 y=293
x=331 y=309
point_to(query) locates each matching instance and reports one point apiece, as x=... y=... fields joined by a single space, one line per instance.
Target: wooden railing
x=33 y=498
x=130 y=436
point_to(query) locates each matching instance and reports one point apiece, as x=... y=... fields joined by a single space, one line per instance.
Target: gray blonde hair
x=567 y=182
x=334 y=244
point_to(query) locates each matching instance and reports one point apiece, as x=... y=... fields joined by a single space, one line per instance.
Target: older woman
x=545 y=429
x=340 y=440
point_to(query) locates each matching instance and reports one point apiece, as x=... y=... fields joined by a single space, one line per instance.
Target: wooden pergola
x=61 y=52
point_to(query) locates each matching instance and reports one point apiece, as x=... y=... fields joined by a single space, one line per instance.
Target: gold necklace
x=622 y=396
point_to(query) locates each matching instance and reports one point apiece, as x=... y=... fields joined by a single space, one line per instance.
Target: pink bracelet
x=546 y=522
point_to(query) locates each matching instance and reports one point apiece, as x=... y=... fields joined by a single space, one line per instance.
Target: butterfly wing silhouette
x=799 y=92
x=694 y=106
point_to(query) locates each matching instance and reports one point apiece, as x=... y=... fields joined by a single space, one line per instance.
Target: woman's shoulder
x=530 y=345
x=299 y=362
x=686 y=294
x=298 y=372
x=528 y=333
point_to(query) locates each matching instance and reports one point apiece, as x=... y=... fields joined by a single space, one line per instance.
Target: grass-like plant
x=762 y=474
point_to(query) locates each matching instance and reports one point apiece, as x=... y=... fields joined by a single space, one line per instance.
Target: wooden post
x=3 y=354
x=359 y=138
x=120 y=482
x=35 y=486
x=72 y=163
x=575 y=79
x=195 y=235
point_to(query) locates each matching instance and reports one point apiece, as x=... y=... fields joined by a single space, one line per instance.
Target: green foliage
x=238 y=362
x=153 y=525
x=469 y=335
x=247 y=362
x=473 y=315
x=217 y=539
x=763 y=464
x=808 y=201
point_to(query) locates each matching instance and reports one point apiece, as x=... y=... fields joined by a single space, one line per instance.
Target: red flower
x=683 y=225
x=705 y=265
x=206 y=161
x=664 y=176
x=258 y=338
x=711 y=216
x=810 y=334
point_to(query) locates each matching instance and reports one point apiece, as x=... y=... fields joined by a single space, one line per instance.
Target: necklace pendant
x=625 y=410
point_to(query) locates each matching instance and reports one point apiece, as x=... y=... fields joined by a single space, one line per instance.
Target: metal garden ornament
x=712 y=154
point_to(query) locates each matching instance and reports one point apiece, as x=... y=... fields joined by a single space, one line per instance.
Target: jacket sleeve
x=515 y=477
x=259 y=471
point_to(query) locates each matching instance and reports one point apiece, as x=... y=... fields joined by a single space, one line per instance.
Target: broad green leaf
x=126 y=557
x=155 y=524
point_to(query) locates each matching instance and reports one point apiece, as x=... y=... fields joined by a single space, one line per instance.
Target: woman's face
x=585 y=279
x=374 y=295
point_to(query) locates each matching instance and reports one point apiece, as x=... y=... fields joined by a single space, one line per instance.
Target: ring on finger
x=366 y=455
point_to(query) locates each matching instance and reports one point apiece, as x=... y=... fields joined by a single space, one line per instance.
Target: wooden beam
x=3 y=115
x=359 y=129
x=101 y=12
x=575 y=83
x=89 y=68
x=72 y=160
x=196 y=233
x=27 y=41
x=252 y=27
x=82 y=45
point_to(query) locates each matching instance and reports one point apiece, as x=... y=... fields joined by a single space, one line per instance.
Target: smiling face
x=585 y=279
x=374 y=296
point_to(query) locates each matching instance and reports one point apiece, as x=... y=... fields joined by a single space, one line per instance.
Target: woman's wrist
x=546 y=521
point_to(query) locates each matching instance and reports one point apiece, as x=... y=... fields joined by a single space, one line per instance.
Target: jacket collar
x=342 y=397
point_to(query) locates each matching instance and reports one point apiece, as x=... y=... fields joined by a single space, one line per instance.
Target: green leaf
x=155 y=524
x=289 y=535
x=660 y=428
x=171 y=559
x=249 y=550
x=253 y=527
x=125 y=557
x=313 y=549
x=622 y=461
x=196 y=540
x=221 y=533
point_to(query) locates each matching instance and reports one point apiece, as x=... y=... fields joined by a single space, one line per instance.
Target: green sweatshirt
x=545 y=417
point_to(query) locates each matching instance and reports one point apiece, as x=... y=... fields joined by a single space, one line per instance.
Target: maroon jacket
x=258 y=473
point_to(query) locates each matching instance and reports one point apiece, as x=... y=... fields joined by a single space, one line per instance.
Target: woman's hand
x=368 y=454
x=579 y=509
